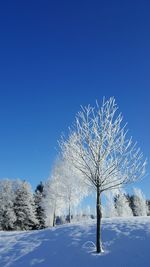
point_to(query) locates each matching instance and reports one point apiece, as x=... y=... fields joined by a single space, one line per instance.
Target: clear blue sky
x=57 y=55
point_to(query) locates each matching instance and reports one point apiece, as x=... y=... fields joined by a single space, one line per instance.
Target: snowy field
x=126 y=243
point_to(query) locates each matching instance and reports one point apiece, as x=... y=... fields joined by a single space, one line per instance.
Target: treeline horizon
x=21 y=208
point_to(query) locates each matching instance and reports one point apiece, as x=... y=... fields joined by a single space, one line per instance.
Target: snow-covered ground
x=126 y=243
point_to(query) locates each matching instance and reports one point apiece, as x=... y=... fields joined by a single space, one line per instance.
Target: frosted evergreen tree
x=131 y=204
x=148 y=207
x=1 y=205
x=122 y=205
x=40 y=188
x=40 y=213
x=25 y=208
x=139 y=201
x=7 y=214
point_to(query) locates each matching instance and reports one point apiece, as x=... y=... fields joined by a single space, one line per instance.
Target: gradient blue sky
x=58 y=55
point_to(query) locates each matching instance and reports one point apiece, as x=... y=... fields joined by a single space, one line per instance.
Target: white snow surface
x=126 y=243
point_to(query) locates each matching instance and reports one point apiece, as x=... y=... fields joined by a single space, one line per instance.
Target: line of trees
x=22 y=209
x=53 y=202
x=120 y=204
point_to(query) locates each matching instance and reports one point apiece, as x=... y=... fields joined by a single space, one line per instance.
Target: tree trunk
x=99 y=217
x=69 y=216
x=54 y=219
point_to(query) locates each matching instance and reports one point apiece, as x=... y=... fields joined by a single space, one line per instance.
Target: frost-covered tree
x=39 y=209
x=53 y=201
x=131 y=204
x=38 y=198
x=25 y=207
x=62 y=192
x=148 y=207
x=109 y=209
x=40 y=187
x=98 y=146
x=139 y=203
x=7 y=214
x=1 y=211
x=72 y=188
x=122 y=205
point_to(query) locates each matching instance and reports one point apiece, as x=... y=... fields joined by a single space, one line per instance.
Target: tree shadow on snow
x=73 y=245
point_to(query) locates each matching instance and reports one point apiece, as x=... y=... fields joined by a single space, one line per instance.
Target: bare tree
x=73 y=189
x=98 y=146
x=53 y=201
